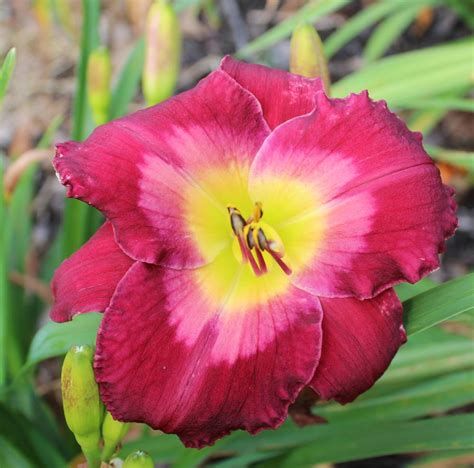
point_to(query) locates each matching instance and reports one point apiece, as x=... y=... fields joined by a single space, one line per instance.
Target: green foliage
x=388 y=31
x=23 y=444
x=55 y=339
x=403 y=78
x=128 y=81
x=431 y=375
x=78 y=216
x=397 y=13
x=436 y=305
x=6 y=71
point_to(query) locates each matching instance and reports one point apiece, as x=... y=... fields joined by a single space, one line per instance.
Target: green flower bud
x=162 y=53
x=99 y=71
x=112 y=432
x=81 y=401
x=307 y=54
x=138 y=459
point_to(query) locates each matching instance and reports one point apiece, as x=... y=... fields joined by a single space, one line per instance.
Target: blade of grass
x=412 y=75
x=89 y=41
x=76 y=214
x=6 y=72
x=341 y=443
x=309 y=13
x=457 y=158
x=451 y=458
x=357 y=24
x=21 y=319
x=436 y=396
x=388 y=31
x=406 y=291
x=3 y=281
x=420 y=364
x=438 y=304
x=466 y=105
x=128 y=81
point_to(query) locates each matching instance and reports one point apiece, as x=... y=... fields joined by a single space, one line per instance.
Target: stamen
x=280 y=262
x=243 y=249
x=261 y=261
x=252 y=261
x=251 y=237
x=251 y=245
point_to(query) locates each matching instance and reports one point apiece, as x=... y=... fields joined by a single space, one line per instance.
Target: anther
x=237 y=221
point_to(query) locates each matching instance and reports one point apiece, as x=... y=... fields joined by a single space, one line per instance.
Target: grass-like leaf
x=128 y=81
x=439 y=304
x=424 y=73
x=6 y=71
x=464 y=159
x=340 y=443
x=76 y=214
x=389 y=30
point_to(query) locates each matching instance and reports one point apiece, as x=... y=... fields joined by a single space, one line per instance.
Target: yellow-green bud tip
x=112 y=432
x=307 y=54
x=162 y=53
x=138 y=459
x=99 y=73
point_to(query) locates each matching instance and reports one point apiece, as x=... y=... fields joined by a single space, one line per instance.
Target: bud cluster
x=96 y=431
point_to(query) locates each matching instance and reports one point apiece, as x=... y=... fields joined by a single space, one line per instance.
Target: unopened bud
x=162 y=53
x=307 y=55
x=81 y=401
x=42 y=11
x=99 y=72
x=112 y=432
x=138 y=459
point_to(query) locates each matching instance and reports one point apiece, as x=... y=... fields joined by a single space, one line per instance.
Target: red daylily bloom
x=254 y=231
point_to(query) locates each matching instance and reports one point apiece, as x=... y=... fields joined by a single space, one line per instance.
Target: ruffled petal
x=373 y=200
x=176 y=356
x=282 y=95
x=86 y=281
x=151 y=173
x=360 y=339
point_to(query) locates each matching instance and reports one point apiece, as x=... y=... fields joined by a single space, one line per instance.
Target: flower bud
x=307 y=55
x=162 y=53
x=99 y=71
x=138 y=459
x=112 y=432
x=81 y=401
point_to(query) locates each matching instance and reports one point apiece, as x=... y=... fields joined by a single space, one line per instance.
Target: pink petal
x=86 y=281
x=385 y=212
x=172 y=356
x=282 y=95
x=137 y=170
x=360 y=338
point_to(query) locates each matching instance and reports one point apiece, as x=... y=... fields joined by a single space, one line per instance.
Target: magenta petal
x=137 y=169
x=384 y=211
x=282 y=95
x=86 y=281
x=360 y=338
x=182 y=362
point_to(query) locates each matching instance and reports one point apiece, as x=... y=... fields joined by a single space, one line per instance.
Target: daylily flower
x=254 y=231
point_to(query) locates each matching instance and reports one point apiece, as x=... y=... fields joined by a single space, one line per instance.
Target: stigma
x=256 y=238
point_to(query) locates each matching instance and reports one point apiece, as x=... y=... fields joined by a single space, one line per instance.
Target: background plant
x=421 y=405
